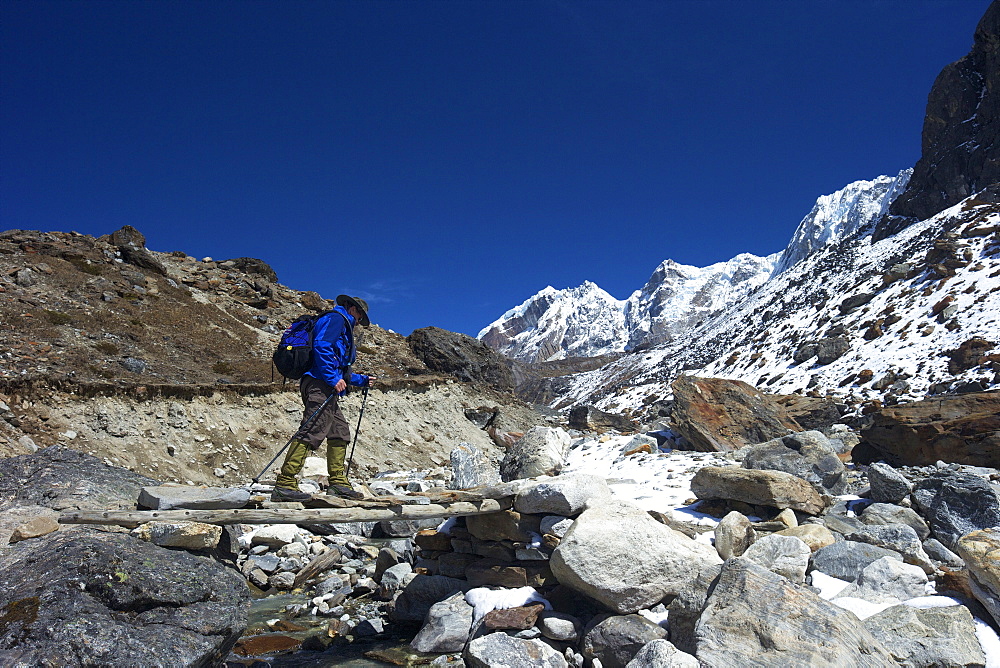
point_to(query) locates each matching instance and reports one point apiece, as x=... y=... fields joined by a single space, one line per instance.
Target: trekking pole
x=256 y=480
x=350 y=460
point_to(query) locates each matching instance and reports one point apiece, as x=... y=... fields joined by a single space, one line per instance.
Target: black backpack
x=293 y=356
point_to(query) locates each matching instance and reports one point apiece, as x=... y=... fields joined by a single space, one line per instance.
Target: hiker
x=328 y=378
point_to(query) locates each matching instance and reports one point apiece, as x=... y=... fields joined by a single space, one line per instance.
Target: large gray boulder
x=846 y=559
x=447 y=626
x=564 y=495
x=661 y=653
x=807 y=455
x=928 y=637
x=785 y=555
x=733 y=535
x=82 y=597
x=887 y=580
x=499 y=649
x=887 y=484
x=65 y=479
x=422 y=592
x=899 y=538
x=888 y=514
x=598 y=557
x=472 y=468
x=616 y=639
x=766 y=621
x=541 y=451
x=956 y=504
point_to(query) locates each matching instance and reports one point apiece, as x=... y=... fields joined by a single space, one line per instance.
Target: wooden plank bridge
x=333 y=511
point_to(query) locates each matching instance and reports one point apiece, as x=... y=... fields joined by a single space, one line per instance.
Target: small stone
x=40 y=526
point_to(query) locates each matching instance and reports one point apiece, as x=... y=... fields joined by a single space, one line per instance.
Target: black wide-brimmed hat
x=358 y=303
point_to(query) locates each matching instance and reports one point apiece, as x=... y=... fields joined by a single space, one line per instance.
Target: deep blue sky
x=446 y=160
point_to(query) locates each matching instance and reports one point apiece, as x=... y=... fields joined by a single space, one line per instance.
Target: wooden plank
x=276 y=516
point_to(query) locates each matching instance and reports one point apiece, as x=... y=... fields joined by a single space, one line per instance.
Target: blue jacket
x=333 y=349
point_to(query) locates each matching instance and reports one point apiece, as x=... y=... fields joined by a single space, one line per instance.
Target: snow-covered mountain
x=554 y=324
x=859 y=319
x=587 y=321
x=834 y=217
x=678 y=297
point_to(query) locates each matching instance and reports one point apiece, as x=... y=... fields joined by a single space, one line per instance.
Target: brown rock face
x=960 y=154
x=513 y=618
x=963 y=429
x=717 y=415
x=969 y=355
x=462 y=356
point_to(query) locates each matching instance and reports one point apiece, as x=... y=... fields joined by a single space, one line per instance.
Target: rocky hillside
x=160 y=362
x=960 y=155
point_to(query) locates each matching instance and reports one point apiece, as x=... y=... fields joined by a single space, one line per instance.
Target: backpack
x=293 y=356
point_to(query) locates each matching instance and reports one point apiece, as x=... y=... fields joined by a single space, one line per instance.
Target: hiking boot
x=345 y=492
x=289 y=494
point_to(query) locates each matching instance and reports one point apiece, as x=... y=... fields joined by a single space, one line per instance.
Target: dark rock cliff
x=960 y=154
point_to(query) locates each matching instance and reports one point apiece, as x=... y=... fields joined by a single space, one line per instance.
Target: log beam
x=283 y=516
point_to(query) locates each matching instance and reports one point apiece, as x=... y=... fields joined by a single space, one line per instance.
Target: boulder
x=275 y=535
x=447 y=626
x=887 y=513
x=928 y=637
x=34 y=528
x=519 y=618
x=541 y=451
x=775 y=489
x=832 y=348
x=588 y=418
x=616 y=639
x=423 y=591
x=170 y=497
x=504 y=525
x=718 y=415
x=685 y=610
x=559 y=626
x=981 y=552
x=462 y=356
x=962 y=429
x=500 y=649
x=785 y=555
x=188 y=535
x=957 y=503
x=563 y=495
x=65 y=479
x=733 y=535
x=661 y=653
x=897 y=537
x=814 y=536
x=598 y=558
x=887 y=580
x=471 y=468
x=846 y=559
x=810 y=412
x=767 y=621
x=100 y=598
x=807 y=455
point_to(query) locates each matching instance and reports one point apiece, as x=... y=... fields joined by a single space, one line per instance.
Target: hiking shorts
x=330 y=423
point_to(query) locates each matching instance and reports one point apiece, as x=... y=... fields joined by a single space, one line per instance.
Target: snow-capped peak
x=838 y=215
